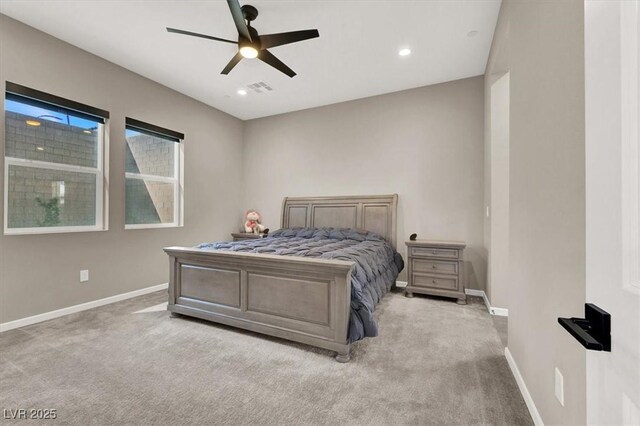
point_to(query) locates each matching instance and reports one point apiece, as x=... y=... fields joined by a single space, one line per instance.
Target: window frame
x=178 y=173
x=100 y=171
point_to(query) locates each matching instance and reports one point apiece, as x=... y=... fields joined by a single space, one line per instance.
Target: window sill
x=52 y=230
x=152 y=226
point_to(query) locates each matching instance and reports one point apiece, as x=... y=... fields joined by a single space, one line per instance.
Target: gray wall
x=541 y=44
x=424 y=144
x=40 y=273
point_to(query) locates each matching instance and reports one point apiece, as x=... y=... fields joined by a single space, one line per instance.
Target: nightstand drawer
x=434 y=281
x=434 y=252
x=434 y=266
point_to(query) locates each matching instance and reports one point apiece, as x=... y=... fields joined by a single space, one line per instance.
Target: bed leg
x=408 y=294
x=343 y=355
x=462 y=301
x=174 y=315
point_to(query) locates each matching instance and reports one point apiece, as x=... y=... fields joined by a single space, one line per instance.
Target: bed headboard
x=376 y=213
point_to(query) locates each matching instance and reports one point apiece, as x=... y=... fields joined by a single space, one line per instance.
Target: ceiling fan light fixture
x=249 y=52
x=404 y=52
x=250 y=44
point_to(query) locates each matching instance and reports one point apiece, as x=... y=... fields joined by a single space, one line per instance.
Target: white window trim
x=101 y=195
x=178 y=196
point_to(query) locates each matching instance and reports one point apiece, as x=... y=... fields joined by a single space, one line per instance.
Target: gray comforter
x=376 y=268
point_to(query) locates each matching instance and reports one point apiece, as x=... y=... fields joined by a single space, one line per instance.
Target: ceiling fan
x=250 y=44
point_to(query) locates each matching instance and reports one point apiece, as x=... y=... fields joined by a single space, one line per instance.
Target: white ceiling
x=356 y=55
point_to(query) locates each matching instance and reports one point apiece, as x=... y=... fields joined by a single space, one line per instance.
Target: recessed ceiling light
x=32 y=123
x=242 y=92
x=404 y=52
x=472 y=33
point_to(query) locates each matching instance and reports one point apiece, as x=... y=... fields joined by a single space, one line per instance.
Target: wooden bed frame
x=306 y=300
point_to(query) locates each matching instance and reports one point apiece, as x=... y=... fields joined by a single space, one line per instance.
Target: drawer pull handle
x=433 y=281
x=434 y=267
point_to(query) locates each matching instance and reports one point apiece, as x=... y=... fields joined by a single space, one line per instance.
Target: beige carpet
x=435 y=362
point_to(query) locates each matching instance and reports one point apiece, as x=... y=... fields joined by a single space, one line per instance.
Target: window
x=54 y=170
x=153 y=178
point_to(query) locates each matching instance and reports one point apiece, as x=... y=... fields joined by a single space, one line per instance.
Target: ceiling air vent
x=260 y=87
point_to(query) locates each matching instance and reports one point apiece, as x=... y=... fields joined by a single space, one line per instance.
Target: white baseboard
x=535 y=415
x=501 y=312
x=23 y=322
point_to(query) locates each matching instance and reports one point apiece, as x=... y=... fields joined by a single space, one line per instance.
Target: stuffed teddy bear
x=252 y=223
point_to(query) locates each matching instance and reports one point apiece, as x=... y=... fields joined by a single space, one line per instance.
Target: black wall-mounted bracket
x=593 y=331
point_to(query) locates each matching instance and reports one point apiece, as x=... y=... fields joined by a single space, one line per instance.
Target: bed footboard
x=295 y=298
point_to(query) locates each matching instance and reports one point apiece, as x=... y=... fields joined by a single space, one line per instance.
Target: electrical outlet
x=84 y=275
x=559 y=387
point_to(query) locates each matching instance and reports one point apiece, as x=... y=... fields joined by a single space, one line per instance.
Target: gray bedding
x=376 y=268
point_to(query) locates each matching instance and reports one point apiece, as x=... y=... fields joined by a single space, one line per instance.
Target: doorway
x=498 y=211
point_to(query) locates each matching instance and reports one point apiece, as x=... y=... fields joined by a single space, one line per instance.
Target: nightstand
x=436 y=268
x=239 y=236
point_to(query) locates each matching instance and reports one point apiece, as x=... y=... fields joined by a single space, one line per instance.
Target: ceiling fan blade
x=189 y=33
x=232 y=63
x=272 y=40
x=238 y=18
x=269 y=58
